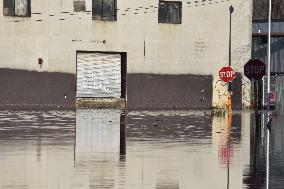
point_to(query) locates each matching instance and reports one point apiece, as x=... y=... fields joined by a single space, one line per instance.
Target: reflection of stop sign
x=227 y=74
x=254 y=69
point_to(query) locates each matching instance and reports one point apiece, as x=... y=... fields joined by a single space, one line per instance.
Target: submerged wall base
x=154 y=92
x=22 y=89
x=40 y=90
x=101 y=103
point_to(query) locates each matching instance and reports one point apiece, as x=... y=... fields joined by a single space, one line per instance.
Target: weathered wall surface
x=30 y=89
x=198 y=46
x=169 y=91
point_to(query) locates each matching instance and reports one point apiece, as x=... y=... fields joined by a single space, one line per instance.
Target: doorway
x=100 y=74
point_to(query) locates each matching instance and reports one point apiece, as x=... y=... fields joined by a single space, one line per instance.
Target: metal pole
x=268 y=55
x=268 y=92
x=231 y=9
x=267 y=159
x=255 y=97
x=263 y=94
x=230 y=37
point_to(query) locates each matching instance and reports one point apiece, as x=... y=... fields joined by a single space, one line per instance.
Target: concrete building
x=259 y=48
x=156 y=54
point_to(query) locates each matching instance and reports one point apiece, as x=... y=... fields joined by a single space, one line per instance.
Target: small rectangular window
x=104 y=10
x=79 y=5
x=8 y=8
x=170 y=12
x=17 y=8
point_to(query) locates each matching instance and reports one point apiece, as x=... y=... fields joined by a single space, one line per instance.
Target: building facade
x=259 y=49
x=154 y=54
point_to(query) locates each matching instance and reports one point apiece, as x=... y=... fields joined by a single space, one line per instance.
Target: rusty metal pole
x=230 y=103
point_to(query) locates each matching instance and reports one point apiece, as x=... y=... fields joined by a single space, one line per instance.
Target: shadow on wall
x=31 y=89
x=237 y=92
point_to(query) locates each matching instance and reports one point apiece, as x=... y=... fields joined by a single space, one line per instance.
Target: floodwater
x=99 y=149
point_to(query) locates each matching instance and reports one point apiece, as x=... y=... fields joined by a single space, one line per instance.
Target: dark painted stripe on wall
x=31 y=89
x=20 y=89
x=154 y=92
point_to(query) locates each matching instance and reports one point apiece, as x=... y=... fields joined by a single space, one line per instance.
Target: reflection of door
x=99 y=75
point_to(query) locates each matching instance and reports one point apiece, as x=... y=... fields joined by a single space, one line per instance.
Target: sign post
x=227 y=74
x=254 y=70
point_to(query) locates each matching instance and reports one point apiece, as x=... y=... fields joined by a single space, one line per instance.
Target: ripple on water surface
x=162 y=149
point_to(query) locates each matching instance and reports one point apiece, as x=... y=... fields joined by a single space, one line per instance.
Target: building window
x=260 y=9
x=17 y=8
x=104 y=10
x=169 y=12
x=79 y=5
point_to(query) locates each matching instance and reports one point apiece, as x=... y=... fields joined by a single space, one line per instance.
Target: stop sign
x=254 y=69
x=227 y=74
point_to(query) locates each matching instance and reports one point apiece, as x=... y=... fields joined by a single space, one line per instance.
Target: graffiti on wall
x=220 y=85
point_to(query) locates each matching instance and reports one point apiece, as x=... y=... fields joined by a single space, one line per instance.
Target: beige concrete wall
x=197 y=46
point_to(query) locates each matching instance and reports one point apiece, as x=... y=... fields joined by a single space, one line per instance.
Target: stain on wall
x=154 y=91
x=240 y=89
x=199 y=48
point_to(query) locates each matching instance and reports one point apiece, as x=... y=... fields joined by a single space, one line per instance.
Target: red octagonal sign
x=227 y=74
x=254 y=69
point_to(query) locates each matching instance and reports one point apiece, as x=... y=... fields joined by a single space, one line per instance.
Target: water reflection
x=267 y=152
x=153 y=150
x=181 y=150
x=276 y=171
x=36 y=149
x=227 y=133
x=97 y=148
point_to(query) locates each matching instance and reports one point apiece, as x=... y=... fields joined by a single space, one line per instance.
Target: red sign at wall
x=227 y=74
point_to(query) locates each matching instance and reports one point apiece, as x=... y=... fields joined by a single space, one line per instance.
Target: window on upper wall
x=17 y=8
x=104 y=10
x=169 y=12
x=79 y=5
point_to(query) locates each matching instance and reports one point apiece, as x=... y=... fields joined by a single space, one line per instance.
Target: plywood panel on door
x=98 y=75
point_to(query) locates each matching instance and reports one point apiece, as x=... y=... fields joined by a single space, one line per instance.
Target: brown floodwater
x=107 y=149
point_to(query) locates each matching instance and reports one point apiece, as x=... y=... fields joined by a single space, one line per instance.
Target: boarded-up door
x=98 y=75
x=21 y=7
